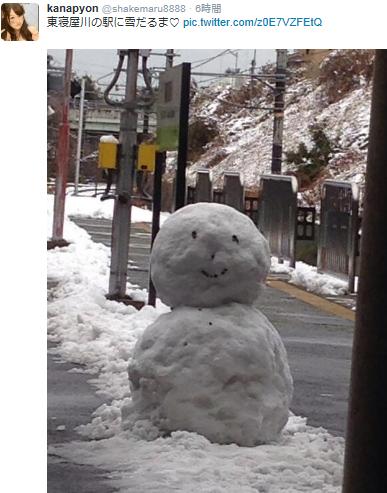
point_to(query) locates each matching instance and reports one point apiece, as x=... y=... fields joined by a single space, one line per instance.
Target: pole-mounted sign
x=168 y=108
x=172 y=120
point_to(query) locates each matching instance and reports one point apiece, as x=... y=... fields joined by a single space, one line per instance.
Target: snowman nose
x=213 y=256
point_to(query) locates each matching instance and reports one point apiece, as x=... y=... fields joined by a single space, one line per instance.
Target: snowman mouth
x=213 y=276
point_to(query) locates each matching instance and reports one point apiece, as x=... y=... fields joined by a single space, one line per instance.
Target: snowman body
x=214 y=365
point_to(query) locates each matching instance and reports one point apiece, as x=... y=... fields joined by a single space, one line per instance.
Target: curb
x=331 y=305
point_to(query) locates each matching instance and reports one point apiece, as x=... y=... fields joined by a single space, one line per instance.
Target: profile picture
x=19 y=21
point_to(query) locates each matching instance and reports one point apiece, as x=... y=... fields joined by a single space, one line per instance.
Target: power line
x=207 y=60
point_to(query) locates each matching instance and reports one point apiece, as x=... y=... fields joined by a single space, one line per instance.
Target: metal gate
x=339 y=225
x=306 y=218
x=218 y=196
x=191 y=195
x=277 y=216
x=251 y=208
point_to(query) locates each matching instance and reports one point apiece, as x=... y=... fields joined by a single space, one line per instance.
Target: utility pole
x=279 y=107
x=365 y=468
x=183 y=137
x=145 y=124
x=62 y=158
x=79 y=140
x=169 y=58
x=169 y=64
x=252 y=73
x=122 y=202
x=253 y=65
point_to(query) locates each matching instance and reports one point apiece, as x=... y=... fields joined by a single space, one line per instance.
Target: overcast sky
x=98 y=63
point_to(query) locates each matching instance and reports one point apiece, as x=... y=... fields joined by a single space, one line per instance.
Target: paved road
x=70 y=402
x=140 y=238
x=319 y=351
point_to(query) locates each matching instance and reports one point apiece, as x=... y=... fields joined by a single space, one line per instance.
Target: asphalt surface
x=318 y=346
x=139 y=245
x=70 y=402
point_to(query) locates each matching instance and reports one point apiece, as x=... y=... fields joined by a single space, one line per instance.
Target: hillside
x=325 y=125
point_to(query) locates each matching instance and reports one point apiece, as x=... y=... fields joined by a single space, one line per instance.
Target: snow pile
x=100 y=334
x=306 y=460
x=215 y=365
x=90 y=329
x=208 y=254
x=307 y=277
x=278 y=267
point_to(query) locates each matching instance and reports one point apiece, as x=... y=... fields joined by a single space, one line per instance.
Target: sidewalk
x=71 y=400
x=347 y=301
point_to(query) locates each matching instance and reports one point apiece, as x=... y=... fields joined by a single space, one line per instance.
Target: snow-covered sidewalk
x=101 y=334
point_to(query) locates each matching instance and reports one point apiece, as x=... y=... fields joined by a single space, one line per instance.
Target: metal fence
x=339 y=228
x=306 y=221
x=277 y=217
x=251 y=207
x=284 y=223
x=233 y=191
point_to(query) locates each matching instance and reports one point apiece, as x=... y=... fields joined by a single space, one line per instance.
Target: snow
x=207 y=254
x=109 y=139
x=306 y=460
x=221 y=372
x=88 y=206
x=307 y=277
x=101 y=335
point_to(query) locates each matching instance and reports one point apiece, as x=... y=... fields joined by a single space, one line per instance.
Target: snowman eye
x=194 y=234
x=235 y=238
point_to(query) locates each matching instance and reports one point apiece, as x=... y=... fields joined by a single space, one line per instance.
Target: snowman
x=214 y=365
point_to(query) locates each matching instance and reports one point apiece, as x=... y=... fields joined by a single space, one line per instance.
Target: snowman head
x=209 y=254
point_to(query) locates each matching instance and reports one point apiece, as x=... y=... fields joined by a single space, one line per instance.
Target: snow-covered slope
x=243 y=132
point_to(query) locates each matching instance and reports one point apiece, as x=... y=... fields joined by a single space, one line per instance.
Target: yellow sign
x=107 y=156
x=146 y=159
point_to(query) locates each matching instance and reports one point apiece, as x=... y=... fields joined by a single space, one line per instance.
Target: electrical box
x=107 y=152
x=146 y=158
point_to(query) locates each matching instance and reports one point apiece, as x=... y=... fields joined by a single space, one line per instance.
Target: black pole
x=183 y=136
x=157 y=183
x=365 y=469
x=279 y=108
